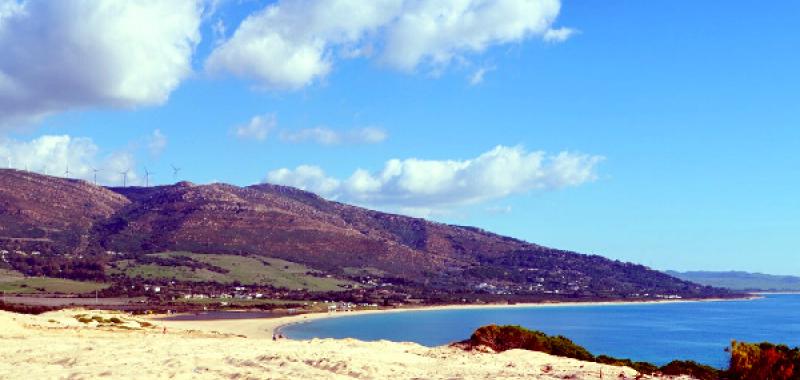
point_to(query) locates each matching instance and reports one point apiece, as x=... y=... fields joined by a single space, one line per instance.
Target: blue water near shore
x=657 y=333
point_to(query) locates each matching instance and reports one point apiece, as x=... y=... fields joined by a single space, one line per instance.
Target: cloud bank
x=72 y=54
x=57 y=154
x=292 y=43
x=428 y=185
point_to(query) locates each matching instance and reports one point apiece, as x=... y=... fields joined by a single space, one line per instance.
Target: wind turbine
x=125 y=177
x=147 y=177
x=95 y=170
x=175 y=171
x=66 y=172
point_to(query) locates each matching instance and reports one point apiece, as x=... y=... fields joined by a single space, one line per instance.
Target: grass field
x=15 y=282
x=244 y=269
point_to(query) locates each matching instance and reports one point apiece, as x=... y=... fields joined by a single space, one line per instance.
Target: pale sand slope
x=57 y=346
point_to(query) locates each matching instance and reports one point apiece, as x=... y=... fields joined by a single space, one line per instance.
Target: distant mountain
x=741 y=280
x=63 y=219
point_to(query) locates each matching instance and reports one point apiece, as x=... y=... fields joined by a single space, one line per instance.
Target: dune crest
x=58 y=345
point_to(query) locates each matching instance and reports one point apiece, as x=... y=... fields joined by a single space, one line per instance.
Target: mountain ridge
x=741 y=280
x=285 y=223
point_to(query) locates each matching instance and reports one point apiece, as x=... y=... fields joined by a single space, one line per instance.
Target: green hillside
x=245 y=270
x=15 y=282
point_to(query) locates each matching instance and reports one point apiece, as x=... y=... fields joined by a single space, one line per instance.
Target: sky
x=660 y=132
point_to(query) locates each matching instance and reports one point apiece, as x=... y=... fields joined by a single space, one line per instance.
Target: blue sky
x=678 y=119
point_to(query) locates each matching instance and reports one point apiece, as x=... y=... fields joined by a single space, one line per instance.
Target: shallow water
x=656 y=333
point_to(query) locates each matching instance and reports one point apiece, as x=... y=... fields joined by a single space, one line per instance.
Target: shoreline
x=276 y=328
x=59 y=345
x=268 y=327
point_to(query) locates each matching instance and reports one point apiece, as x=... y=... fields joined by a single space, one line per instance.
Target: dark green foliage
x=641 y=367
x=25 y=309
x=177 y=261
x=691 y=368
x=502 y=338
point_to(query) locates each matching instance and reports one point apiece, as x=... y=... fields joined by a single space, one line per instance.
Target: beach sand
x=57 y=346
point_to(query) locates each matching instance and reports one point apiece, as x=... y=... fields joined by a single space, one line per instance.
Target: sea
x=652 y=332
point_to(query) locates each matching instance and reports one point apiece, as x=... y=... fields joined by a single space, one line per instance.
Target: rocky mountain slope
x=71 y=217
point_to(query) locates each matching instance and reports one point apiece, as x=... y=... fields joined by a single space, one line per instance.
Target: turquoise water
x=657 y=333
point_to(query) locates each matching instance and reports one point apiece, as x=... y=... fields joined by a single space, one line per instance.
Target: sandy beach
x=76 y=344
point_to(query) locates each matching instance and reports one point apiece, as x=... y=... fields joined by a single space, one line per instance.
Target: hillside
x=741 y=280
x=85 y=231
x=47 y=214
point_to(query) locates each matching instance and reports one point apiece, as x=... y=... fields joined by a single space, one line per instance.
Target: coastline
x=59 y=345
x=267 y=327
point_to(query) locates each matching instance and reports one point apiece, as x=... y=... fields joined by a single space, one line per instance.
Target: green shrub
x=641 y=367
x=691 y=368
x=502 y=338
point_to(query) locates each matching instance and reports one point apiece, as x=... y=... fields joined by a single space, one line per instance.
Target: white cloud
x=369 y=135
x=430 y=185
x=305 y=177
x=157 y=142
x=292 y=43
x=287 y=44
x=477 y=77
x=55 y=154
x=438 y=31
x=327 y=136
x=558 y=35
x=73 y=54
x=257 y=128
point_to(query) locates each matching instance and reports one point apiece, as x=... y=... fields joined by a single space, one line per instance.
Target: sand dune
x=117 y=346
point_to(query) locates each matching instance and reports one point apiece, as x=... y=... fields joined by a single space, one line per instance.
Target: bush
x=763 y=361
x=641 y=367
x=691 y=368
x=502 y=338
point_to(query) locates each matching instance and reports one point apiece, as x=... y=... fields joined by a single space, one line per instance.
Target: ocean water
x=657 y=333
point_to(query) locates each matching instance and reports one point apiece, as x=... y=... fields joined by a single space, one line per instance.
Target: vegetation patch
x=764 y=361
x=502 y=338
x=8 y=275
x=229 y=269
x=50 y=285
